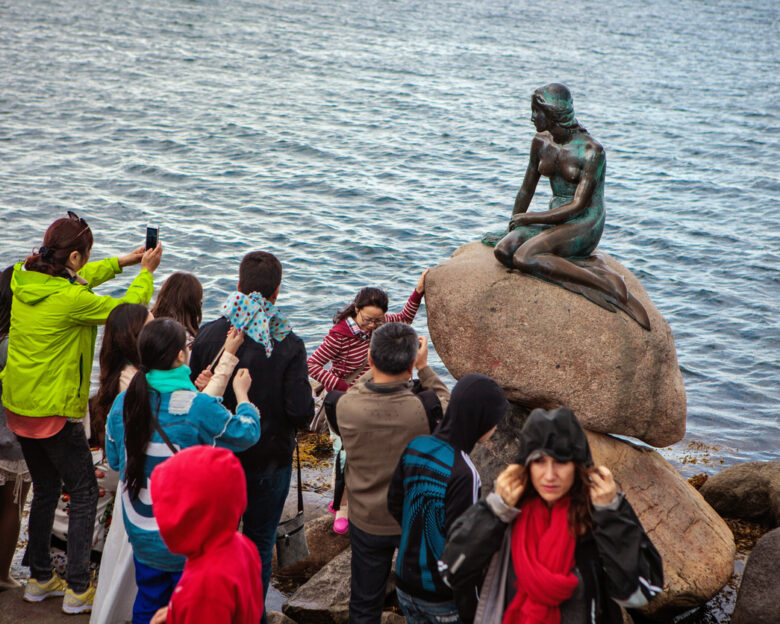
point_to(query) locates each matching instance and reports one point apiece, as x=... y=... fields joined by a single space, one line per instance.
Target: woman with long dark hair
x=181 y=298
x=118 y=360
x=54 y=319
x=566 y=546
x=160 y=413
x=346 y=348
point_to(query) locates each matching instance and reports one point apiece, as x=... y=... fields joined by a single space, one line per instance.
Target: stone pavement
x=14 y=610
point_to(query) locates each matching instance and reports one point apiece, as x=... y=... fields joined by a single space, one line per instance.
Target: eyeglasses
x=371 y=321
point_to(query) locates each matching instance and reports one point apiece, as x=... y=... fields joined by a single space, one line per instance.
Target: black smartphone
x=152 y=236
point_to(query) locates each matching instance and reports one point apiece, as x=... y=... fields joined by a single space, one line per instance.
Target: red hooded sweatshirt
x=199 y=495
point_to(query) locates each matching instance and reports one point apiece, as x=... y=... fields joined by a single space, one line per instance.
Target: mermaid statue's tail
x=620 y=299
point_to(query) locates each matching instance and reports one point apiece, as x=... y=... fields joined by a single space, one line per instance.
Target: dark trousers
x=62 y=458
x=265 y=496
x=372 y=556
x=155 y=588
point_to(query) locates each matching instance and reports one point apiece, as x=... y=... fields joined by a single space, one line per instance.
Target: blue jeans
x=372 y=557
x=63 y=458
x=266 y=493
x=419 y=611
x=155 y=588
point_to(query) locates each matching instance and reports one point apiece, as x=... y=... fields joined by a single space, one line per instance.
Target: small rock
x=274 y=617
x=548 y=347
x=388 y=617
x=325 y=597
x=758 y=599
x=749 y=491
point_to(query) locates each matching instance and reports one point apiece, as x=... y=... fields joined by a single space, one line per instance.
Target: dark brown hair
x=159 y=344
x=580 y=514
x=63 y=237
x=181 y=298
x=261 y=272
x=368 y=296
x=118 y=349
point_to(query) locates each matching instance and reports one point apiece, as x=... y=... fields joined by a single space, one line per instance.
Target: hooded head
x=477 y=404
x=556 y=433
x=198 y=497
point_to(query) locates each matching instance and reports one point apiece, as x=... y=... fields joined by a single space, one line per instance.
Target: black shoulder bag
x=291 y=543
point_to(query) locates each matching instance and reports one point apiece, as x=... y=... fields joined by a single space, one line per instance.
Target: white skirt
x=116 y=587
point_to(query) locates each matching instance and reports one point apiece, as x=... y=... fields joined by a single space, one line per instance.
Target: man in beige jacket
x=377 y=419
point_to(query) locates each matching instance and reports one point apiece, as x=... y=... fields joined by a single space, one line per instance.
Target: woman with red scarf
x=566 y=546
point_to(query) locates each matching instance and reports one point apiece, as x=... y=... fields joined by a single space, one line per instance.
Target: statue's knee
x=525 y=262
x=503 y=255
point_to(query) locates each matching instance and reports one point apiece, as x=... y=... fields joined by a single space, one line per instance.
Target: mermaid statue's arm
x=531 y=179
x=591 y=176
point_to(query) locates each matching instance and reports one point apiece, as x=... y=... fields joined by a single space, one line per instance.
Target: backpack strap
x=163 y=435
x=432 y=407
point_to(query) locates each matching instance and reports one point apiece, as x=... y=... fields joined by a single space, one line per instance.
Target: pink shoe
x=330 y=507
x=340 y=525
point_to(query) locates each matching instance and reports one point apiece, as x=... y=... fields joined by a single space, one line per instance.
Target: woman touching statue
x=556 y=245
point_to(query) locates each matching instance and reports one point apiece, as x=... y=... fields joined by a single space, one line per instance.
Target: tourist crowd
x=199 y=421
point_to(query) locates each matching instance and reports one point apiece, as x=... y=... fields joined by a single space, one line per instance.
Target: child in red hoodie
x=198 y=497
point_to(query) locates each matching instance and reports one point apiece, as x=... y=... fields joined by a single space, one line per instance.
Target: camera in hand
x=152 y=236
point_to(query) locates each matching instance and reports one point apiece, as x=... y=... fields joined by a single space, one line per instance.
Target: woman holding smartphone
x=51 y=343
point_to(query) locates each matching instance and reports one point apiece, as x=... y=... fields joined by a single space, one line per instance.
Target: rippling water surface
x=364 y=141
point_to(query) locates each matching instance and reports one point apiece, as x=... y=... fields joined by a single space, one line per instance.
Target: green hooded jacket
x=52 y=338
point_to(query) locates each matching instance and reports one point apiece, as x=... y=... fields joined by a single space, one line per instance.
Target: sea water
x=362 y=142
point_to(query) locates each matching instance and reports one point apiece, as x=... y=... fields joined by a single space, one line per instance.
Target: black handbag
x=291 y=543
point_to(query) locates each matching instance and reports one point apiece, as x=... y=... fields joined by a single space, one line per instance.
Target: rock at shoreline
x=324 y=599
x=749 y=491
x=758 y=600
x=696 y=545
x=549 y=347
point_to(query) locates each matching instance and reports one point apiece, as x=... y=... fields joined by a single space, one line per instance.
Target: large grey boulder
x=549 y=347
x=696 y=545
x=749 y=491
x=758 y=600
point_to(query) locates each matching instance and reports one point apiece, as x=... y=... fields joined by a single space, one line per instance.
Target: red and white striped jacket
x=348 y=351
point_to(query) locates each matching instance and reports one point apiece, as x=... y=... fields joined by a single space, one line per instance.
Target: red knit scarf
x=543 y=557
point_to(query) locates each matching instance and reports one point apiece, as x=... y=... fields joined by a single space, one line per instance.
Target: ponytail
x=368 y=296
x=159 y=344
x=138 y=417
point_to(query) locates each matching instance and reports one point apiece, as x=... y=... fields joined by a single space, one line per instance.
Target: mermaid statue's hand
x=517 y=220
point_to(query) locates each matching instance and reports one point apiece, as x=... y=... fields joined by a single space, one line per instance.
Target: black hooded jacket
x=615 y=561
x=435 y=482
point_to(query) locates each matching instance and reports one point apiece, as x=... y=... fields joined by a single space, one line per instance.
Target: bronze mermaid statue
x=557 y=245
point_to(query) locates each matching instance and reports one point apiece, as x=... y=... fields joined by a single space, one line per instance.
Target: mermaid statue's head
x=557 y=103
